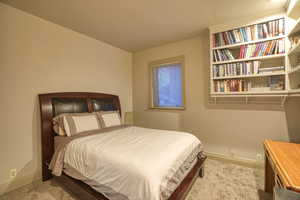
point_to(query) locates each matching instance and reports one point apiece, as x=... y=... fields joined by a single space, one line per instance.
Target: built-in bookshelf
x=260 y=58
x=249 y=59
x=293 y=47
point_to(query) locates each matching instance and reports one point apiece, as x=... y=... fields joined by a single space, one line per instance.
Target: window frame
x=160 y=63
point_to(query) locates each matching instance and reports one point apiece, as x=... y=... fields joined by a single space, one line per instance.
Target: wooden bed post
x=47 y=135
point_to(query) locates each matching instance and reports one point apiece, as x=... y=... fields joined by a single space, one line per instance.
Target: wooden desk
x=282 y=166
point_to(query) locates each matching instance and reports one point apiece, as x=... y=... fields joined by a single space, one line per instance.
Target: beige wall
x=37 y=56
x=234 y=131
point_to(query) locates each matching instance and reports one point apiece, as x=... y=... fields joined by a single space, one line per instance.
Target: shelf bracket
x=283 y=100
x=247 y=100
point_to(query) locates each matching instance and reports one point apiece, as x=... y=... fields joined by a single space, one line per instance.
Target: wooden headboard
x=53 y=104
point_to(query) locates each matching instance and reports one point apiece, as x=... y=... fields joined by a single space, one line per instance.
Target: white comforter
x=132 y=162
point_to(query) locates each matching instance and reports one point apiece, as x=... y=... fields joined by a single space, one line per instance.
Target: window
x=167 y=83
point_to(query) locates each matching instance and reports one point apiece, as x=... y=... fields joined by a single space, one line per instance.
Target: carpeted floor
x=228 y=181
x=222 y=181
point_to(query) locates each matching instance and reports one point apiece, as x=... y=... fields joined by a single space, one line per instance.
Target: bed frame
x=53 y=104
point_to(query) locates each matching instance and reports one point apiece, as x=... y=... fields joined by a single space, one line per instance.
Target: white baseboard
x=238 y=160
x=18 y=182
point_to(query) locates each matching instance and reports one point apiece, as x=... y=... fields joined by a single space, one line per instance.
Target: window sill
x=167 y=108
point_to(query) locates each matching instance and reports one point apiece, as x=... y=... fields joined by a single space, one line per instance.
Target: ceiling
x=134 y=25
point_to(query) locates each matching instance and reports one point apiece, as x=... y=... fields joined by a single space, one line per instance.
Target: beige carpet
x=222 y=181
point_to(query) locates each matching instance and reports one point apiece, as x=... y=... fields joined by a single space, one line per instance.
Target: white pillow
x=110 y=118
x=78 y=123
x=86 y=123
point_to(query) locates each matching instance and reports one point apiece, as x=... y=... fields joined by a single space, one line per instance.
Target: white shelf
x=250 y=76
x=296 y=69
x=250 y=42
x=293 y=91
x=269 y=92
x=251 y=95
x=263 y=93
x=295 y=49
x=295 y=29
x=250 y=59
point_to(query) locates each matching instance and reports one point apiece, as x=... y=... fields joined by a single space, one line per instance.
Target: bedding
x=127 y=162
x=71 y=124
x=58 y=125
x=109 y=118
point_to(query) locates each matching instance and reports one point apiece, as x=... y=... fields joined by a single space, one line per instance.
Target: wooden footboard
x=83 y=191
x=187 y=183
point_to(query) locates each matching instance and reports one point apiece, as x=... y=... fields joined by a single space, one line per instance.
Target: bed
x=54 y=104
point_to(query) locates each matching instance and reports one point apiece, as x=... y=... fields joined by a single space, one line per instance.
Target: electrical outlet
x=231 y=153
x=13 y=173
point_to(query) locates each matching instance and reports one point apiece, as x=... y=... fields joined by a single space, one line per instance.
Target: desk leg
x=269 y=177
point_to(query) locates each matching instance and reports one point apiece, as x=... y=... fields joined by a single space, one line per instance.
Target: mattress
x=132 y=163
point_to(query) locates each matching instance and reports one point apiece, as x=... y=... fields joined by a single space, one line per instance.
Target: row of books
x=222 y=55
x=249 y=33
x=241 y=85
x=244 y=68
x=272 y=47
x=262 y=49
x=236 y=69
x=232 y=86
